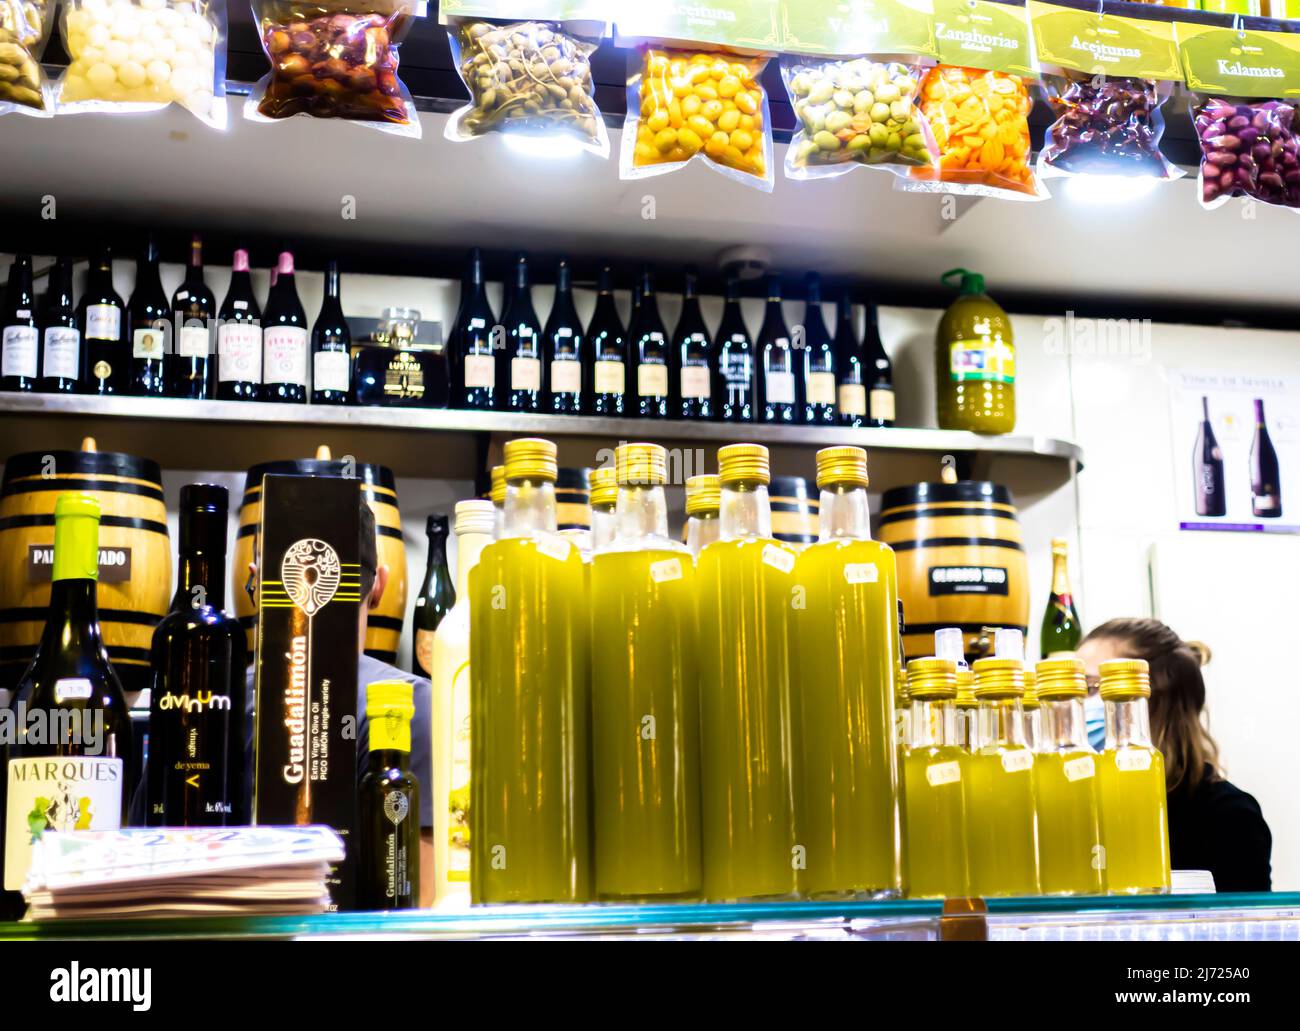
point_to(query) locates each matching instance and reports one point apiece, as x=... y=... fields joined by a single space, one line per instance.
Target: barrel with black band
x=573 y=499
x=384 y=624
x=135 y=554
x=961 y=560
x=795 y=505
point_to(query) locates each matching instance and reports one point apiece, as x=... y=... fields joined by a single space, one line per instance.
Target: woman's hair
x=1177 y=695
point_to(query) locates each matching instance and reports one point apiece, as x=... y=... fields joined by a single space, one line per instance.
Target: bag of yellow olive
x=24 y=31
x=855 y=111
x=529 y=78
x=684 y=104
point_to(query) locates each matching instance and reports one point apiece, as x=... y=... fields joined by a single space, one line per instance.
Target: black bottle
x=437 y=596
x=331 y=346
x=851 y=399
x=779 y=397
x=20 y=357
x=284 y=339
x=388 y=853
x=60 y=334
x=239 y=337
x=565 y=365
x=733 y=387
x=818 y=359
x=151 y=326
x=652 y=375
x=693 y=357
x=193 y=309
x=877 y=371
x=523 y=344
x=609 y=352
x=102 y=317
x=471 y=364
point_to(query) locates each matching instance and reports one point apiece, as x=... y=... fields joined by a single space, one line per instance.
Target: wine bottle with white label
x=70 y=776
x=779 y=389
x=733 y=388
x=693 y=356
x=436 y=597
x=608 y=350
x=851 y=396
x=284 y=339
x=565 y=366
x=523 y=343
x=194 y=307
x=102 y=317
x=1265 y=481
x=472 y=363
x=331 y=346
x=60 y=335
x=1207 y=468
x=877 y=372
x=651 y=376
x=818 y=360
x=21 y=337
x=151 y=326
x=239 y=337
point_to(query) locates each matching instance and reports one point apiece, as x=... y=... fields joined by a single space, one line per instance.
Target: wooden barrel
x=135 y=554
x=794 y=510
x=573 y=499
x=384 y=624
x=961 y=561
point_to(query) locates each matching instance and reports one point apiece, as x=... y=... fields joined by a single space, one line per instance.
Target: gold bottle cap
x=931 y=678
x=1124 y=679
x=641 y=465
x=965 y=689
x=530 y=458
x=999 y=678
x=703 y=494
x=846 y=465
x=900 y=687
x=498 y=493
x=744 y=463
x=1060 y=546
x=1063 y=676
x=1031 y=690
x=604 y=488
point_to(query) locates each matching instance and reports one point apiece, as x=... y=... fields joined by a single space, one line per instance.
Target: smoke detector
x=745 y=263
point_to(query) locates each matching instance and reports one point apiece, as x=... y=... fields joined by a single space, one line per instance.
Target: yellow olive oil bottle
x=529 y=699
x=844 y=654
x=1134 y=806
x=975 y=360
x=745 y=582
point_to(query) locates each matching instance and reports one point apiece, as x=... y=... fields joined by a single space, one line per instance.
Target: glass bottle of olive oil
x=1134 y=806
x=529 y=699
x=604 y=501
x=975 y=360
x=1000 y=788
x=498 y=496
x=935 y=769
x=745 y=582
x=1069 y=828
x=645 y=729
x=703 y=495
x=845 y=646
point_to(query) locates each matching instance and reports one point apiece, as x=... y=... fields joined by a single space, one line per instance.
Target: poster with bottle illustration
x=1236 y=450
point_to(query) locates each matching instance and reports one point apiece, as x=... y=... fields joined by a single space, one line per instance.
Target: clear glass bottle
x=1033 y=712
x=604 y=503
x=703 y=495
x=498 y=496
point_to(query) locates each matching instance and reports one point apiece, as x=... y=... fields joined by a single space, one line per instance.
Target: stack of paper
x=218 y=871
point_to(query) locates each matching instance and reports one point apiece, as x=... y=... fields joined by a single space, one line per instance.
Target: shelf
x=453 y=444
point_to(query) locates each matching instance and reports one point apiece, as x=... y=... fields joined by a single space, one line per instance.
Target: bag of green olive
x=855 y=111
x=24 y=31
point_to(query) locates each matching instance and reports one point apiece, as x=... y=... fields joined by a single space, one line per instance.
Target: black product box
x=309 y=594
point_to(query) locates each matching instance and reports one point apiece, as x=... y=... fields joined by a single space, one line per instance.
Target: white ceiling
x=292 y=178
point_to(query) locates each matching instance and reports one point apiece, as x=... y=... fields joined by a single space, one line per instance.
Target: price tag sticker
x=778 y=558
x=1080 y=769
x=1133 y=760
x=72 y=689
x=1017 y=760
x=666 y=570
x=554 y=547
x=940 y=774
x=861 y=573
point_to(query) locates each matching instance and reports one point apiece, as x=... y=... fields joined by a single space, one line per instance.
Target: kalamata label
x=103 y=322
x=329 y=371
x=780 y=388
x=609 y=378
x=853 y=399
x=193 y=342
x=239 y=346
x=652 y=380
x=882 y=404
x=18 y=357
x=62 y=357
x=566 y=377
x=480 y=371
x=285 y=354
x=525 y=374
x=695 y=381
x=149 y=344
x=821 y=388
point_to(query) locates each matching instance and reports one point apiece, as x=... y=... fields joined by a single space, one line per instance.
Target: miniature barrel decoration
x=961 y=561
x=135 y=554
x=794 y=510
x=383 y=624
x=573 y=500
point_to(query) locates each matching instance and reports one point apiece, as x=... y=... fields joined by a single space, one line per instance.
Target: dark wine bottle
x=151 y=326
x=523 y=343
x=72 y=776
x=388 y=859
x=102 y=317
x=650 y=353
x=734 y=371
x=20 y=356
x=194 y=307
x=693 y=355
x=878 y=371
x=565 y=363
x=1061 y=631
x=331 y=346
x=239 y=337
x=608 y=350
x=779 y=394
x=284 y=339
x=60 y=335
x=818 y=360
x=198 y=694
x=436 y=597
x=1207 y=471
x=1265 y=478
x=472 y=365
x=851 y=396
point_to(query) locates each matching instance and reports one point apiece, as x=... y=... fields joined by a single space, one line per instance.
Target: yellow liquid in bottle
x=645 y=724
x=845 y=646
x=936 y=825
x=745 y=721
x=530 y=713
x=1069 y=826
x=1000 y=808
x=1134 y=820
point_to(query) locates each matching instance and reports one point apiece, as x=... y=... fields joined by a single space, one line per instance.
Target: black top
x=1220 y=828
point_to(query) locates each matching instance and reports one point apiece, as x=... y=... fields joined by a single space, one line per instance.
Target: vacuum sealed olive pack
x=334 y=59
x=24 y=31
x=684 y=105
x=528 y=77
x=141 y=55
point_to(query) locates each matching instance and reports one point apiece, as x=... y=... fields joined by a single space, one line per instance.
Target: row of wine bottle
x=1209 y=482
x=190 y=348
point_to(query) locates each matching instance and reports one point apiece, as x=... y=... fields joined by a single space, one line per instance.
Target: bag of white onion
x=141 y=55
